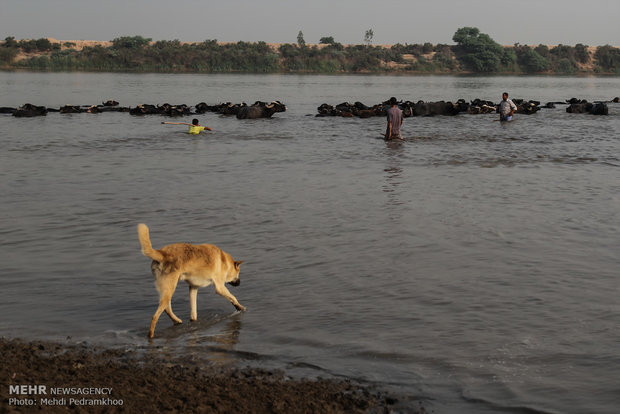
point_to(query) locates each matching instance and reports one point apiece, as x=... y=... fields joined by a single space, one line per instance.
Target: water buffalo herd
x=267 y=109
x=477 y=106
x=242 y=111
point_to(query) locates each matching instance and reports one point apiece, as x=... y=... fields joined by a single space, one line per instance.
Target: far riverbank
x=472 y=54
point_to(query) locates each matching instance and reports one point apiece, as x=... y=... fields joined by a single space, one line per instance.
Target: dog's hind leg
x=155 y=318
x=166 y=286
x=193 y=293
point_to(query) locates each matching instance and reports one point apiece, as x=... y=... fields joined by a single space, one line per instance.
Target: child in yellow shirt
x=194 y=127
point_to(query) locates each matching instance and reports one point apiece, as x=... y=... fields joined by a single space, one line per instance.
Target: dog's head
x=233 y=279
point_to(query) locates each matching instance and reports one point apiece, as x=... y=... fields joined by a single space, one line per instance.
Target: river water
x=473 y=267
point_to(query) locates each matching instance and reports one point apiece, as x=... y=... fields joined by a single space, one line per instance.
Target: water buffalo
x=527 y=108
x=462 y=104
x=347 y=110
x=261 y=110
x=326 y=110
x=165 y=109
x=6 y=110
x=598 y=108
x=70 y=109
x=29 y=110
x=375 y=110
x=407 y=107
x=227 y=108
x=202 y=107
x=144 y=109
x=438 y=108
x=572 y=101
x=358 y=109
x=364 y=111
x=107 y=108
x=174 y=110
x=231 y=109
x=422 y=108
x=479 y=106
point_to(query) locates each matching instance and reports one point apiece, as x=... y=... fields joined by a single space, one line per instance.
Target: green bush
x=563 y=52
x=581 y=53
x=608 y=58
x=130 y=42
x=10 y=42
x=477 y=51
x=509 y=60
x=444 y=60
x=7 y=54
x=566 y=66
x=532 y=62
x=543 y=50
x=35 y=45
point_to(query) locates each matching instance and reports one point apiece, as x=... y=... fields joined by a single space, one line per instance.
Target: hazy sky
x=592 y=22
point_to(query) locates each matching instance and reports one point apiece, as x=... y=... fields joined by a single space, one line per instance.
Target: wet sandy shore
x=80 y=378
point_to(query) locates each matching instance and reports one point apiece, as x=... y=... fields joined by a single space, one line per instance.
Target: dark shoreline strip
x=155 y=383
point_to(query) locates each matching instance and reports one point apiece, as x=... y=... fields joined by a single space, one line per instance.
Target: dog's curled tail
x=145 y=242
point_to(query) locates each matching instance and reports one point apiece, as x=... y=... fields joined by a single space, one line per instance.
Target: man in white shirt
x=507 y=108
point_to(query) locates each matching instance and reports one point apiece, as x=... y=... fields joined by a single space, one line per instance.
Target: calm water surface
x=474 y=266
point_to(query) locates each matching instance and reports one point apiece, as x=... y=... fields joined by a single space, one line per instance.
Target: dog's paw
x=240 y=308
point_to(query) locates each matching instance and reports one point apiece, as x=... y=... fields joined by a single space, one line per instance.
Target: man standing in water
x=507 y=108
x=394 y=121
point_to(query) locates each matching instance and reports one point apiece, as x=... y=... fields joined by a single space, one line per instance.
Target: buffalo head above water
x=261 y=110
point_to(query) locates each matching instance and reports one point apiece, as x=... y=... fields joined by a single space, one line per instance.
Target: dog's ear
x=238 y=264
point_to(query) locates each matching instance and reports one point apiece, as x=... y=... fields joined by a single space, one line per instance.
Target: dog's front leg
x=193 y=294
x=174 y=317
x=221 y=290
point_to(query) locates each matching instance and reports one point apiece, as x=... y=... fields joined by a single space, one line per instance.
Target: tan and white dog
x=198 y=265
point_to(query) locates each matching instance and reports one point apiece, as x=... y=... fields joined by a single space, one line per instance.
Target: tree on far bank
x=368 y=36
x=477 y=51
x=608 y=58
x=581 y=53
x=10 y=42
x=300 y=39
x=130 y=42
x=7 y=54
x=530 y=60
